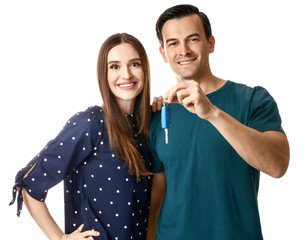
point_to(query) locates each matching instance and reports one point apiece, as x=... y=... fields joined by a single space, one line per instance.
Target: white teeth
x=126 y=85
x=186 y=62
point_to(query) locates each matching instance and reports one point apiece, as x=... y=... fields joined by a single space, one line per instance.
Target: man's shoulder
x=155 y=116
x=240 y=86
x=155 y=120
x=244 y=91
x=245 y=87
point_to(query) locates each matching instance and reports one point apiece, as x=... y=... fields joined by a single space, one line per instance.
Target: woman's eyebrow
x=117 y=61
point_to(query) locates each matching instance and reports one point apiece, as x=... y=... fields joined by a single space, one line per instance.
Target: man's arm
x=266 y=151
x=157 y=196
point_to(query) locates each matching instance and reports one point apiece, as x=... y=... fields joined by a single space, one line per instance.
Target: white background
x=48 y=53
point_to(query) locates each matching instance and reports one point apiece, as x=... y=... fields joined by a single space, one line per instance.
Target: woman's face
x=125 y=75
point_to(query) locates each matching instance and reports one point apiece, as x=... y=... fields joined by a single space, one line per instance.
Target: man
x=223 y=134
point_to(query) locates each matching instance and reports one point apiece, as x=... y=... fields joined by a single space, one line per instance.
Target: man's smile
x=186 y=62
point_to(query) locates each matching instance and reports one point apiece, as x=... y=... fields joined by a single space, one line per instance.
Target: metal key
x=165 y=120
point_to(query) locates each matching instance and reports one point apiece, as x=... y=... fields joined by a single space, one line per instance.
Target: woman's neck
x=126 y=107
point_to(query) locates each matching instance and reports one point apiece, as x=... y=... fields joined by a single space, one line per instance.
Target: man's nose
x=184 y=49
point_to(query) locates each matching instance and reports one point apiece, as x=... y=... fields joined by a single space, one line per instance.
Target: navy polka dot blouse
x=98 y=190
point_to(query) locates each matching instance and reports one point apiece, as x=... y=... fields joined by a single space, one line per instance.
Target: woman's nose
x=126 y=73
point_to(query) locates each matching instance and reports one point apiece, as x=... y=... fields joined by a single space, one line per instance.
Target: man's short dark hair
x=180 y=11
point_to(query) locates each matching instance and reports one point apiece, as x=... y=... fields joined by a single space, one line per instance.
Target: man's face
x=186 y=48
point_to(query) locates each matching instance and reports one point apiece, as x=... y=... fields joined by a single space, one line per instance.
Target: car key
x=165 y=120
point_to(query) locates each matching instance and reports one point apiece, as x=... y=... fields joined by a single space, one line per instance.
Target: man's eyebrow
x=193 y=35
x=170 y=40
x=188 y=36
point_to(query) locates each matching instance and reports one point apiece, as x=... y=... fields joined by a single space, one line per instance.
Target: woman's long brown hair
x=120 y=132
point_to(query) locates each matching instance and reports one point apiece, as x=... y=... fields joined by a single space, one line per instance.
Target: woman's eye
x=114 y=66
x=135 y=64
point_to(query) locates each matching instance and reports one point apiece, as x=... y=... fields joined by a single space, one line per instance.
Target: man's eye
x=114 y=66
x=172 y=44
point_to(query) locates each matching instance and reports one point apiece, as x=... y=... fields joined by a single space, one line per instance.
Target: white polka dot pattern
x=99 y=191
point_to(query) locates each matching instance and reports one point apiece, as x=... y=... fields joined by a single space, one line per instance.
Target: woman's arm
x=157 y=196
x=40 y=213
x=42 y=217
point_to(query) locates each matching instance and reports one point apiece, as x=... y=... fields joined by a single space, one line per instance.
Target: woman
x=101 y=154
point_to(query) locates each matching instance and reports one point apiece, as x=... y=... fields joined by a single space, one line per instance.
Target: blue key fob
x=165 y=116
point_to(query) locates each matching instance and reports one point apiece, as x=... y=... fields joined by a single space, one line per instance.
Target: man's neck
x=209 y=83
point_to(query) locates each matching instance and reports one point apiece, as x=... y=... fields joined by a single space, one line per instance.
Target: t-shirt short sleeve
x=263 y=113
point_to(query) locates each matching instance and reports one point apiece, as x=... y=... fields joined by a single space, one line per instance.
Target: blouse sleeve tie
x=18 y=188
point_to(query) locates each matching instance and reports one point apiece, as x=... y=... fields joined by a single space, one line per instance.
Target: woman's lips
x=127 y=86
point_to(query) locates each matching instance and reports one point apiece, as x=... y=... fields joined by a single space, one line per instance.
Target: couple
x=123 y=182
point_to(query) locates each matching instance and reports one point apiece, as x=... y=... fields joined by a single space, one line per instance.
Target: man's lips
x=186 y=61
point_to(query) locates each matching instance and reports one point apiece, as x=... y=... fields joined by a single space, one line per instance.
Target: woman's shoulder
x=90 y=112
x=90 y=117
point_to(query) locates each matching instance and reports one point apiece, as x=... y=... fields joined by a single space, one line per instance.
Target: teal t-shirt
x=211 y=191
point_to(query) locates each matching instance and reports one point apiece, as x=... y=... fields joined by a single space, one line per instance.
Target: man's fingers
x=182 y=94
x=171 y=95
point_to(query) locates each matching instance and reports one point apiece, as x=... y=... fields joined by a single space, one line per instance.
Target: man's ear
x=212 y=44
x=162 y=51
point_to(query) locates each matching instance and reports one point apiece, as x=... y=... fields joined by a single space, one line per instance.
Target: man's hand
x=191 y=96
x=79 y=235
x=266 y=151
